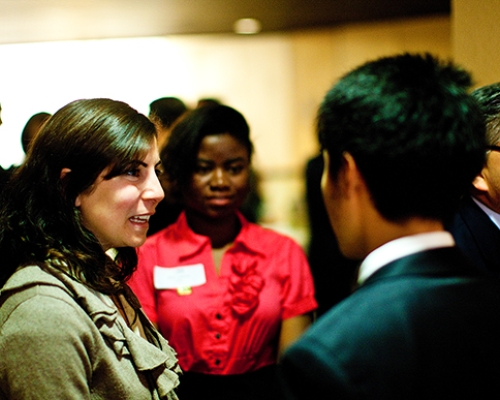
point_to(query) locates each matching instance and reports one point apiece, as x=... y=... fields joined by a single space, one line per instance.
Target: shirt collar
x=402 y=247
x=192 y=243
x=249 y=238
x=493 y=215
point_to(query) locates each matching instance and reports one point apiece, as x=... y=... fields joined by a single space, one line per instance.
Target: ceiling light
x=247 y=26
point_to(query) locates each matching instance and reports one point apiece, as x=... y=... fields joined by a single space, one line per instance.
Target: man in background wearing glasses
x=476 y=225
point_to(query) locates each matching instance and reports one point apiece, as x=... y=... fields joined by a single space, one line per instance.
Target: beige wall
x=476 y=38
x=320 y=58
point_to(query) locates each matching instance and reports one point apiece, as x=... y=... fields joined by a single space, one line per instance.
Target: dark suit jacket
x=477 y=236
x=426 y=326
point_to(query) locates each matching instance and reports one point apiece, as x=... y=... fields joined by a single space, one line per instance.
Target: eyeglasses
x=493 y=148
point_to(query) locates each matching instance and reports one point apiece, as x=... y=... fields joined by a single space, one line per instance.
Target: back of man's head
x=32 y=127
x=417 y=137
x=166 y=110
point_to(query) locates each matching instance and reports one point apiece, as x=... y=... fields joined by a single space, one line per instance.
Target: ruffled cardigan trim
x=157 y=357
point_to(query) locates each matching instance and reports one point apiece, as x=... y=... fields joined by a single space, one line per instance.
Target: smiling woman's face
x=220 y=181
x=117 y=210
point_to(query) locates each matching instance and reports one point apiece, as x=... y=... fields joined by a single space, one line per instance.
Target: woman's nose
x=154 y=191
x=219 y=178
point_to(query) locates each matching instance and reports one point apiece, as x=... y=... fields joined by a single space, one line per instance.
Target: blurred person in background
x=31 y=129
x=4 y=173
x=164 y=112
x=476 y=225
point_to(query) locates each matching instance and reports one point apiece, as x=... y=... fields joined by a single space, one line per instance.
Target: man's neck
x=384 y=231
x=484 y=199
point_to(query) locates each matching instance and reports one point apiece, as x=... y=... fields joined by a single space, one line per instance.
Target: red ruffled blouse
x=229 y=324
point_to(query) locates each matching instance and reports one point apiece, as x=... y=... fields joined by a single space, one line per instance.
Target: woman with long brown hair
x=70 y=326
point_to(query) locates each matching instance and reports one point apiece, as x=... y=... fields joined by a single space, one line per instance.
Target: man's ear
x=347 y=178
x=350 y=177
x=480 y=183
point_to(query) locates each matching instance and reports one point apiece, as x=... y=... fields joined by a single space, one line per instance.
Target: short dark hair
x=166 y=110
x=488 y=98
x=38 y=218
x=417 y=136
x=180 y=154
x=31 y=128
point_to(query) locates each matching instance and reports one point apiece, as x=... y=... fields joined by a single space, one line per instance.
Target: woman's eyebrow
x=143 y=164
x=237 y=159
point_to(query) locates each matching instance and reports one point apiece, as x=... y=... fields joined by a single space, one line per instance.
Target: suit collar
x=442 y=262
x=492 y=215
x=484 y=234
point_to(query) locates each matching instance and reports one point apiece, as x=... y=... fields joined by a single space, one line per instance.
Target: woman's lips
x=140 y=219
x=220 y=201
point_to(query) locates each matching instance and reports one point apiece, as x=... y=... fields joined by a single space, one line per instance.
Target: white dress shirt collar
x=402 y=247
x=493 y=215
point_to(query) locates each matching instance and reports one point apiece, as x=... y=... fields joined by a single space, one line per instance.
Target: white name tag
x=179 y=277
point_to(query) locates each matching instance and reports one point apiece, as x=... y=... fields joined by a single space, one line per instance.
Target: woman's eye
x=135 y=172
x=236 y=169
x=202 y=169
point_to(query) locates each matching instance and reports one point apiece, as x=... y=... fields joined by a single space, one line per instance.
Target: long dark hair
x=39 y=221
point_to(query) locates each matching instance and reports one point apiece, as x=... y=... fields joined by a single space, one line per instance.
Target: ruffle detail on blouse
x=245 y=287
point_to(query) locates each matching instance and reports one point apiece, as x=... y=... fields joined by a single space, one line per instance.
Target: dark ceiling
x=40 y=20
x=279 y=15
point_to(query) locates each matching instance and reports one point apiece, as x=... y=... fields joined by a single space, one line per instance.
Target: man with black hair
x=402 y=140
x=476 y=225
x=164 y=112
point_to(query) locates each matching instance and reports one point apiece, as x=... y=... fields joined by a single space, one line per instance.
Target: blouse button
x=218 y=316
x=217 y=362
x=217 y=335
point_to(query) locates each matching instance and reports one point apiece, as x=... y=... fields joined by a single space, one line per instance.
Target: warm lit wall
x=476 y=38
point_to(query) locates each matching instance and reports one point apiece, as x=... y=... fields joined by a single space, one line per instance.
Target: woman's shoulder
x=33 y=280
x=37 y=302
x=48 y=290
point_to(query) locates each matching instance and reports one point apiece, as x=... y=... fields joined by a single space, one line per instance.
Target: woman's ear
x=62 y=176
x=64 y=172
